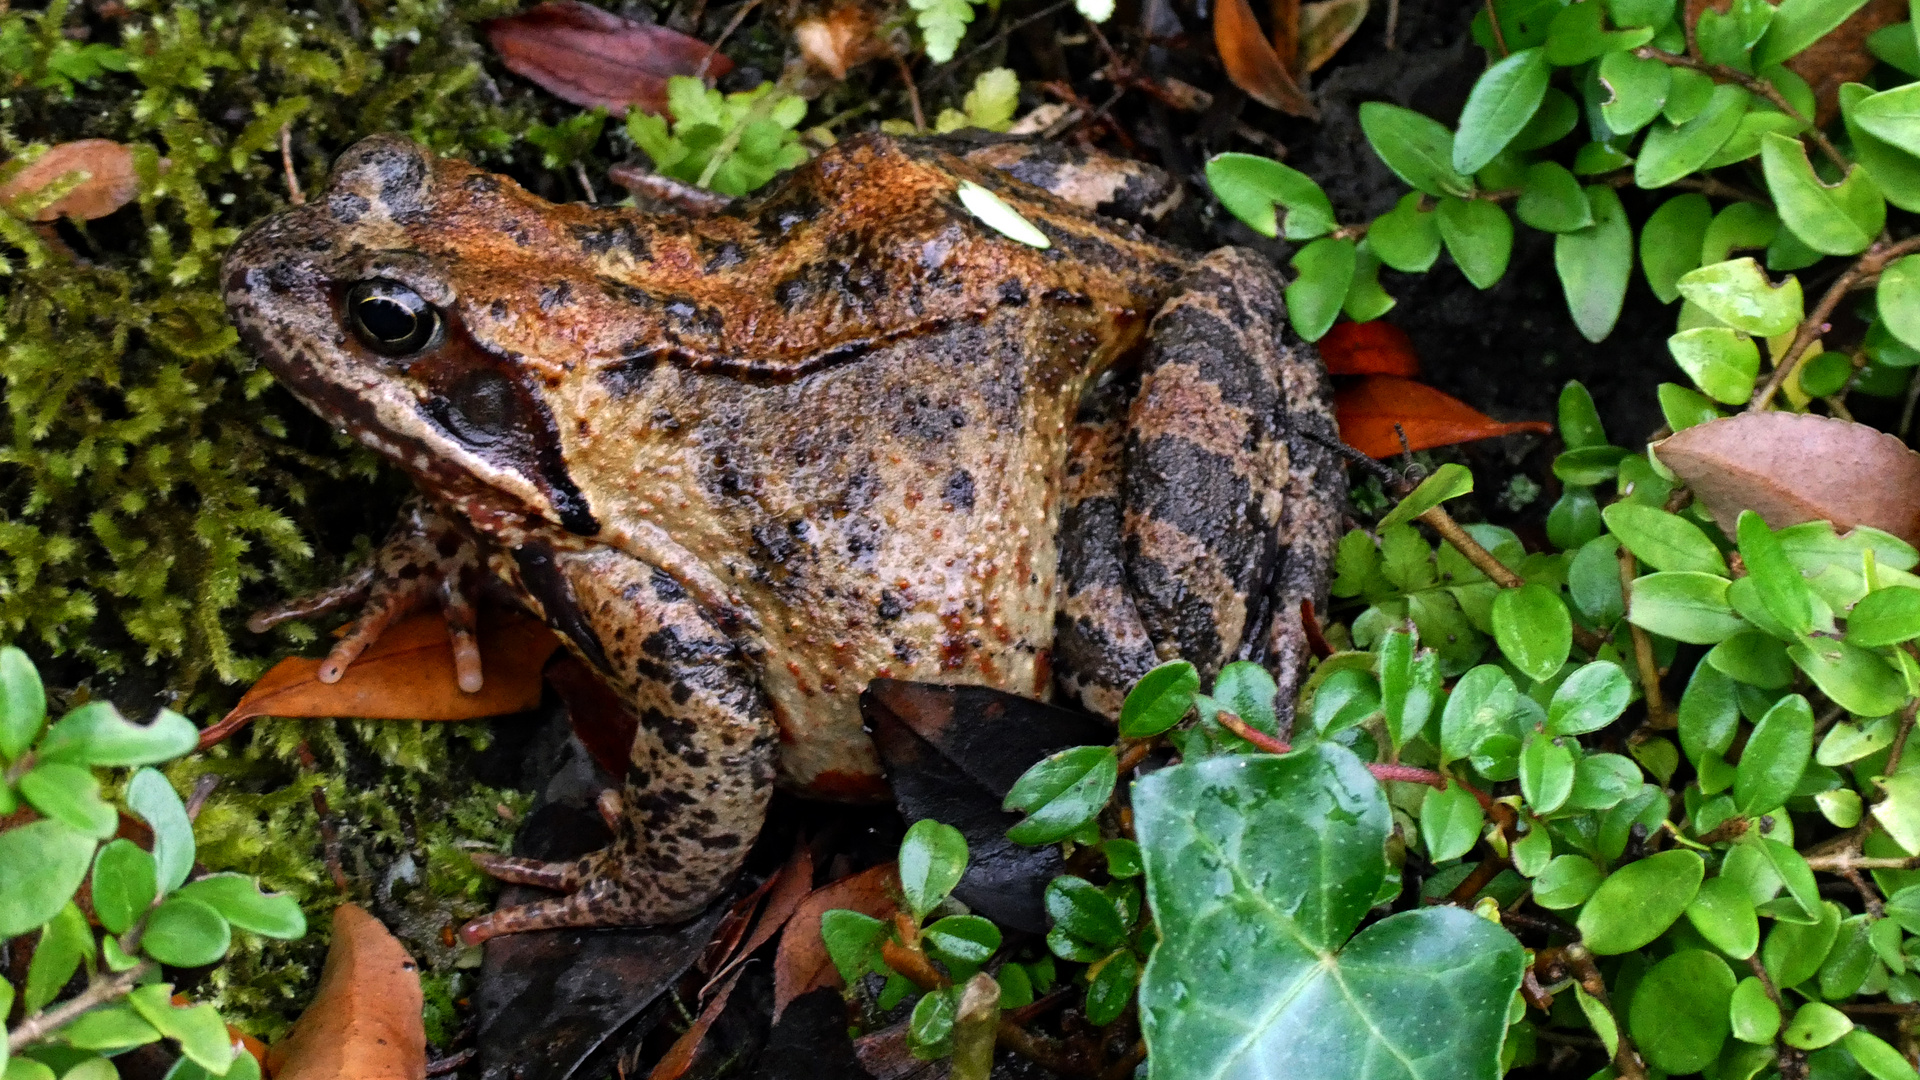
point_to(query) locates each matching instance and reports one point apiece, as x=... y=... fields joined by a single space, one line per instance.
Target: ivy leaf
x=1418 y=148
x=1503 y=99
x=1595 y=262
x=1838 y=220
x=1256 y=902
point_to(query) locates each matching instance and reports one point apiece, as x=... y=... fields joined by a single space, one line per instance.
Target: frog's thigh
x=1100 y=647
x=1206 y=462
x=700 y=772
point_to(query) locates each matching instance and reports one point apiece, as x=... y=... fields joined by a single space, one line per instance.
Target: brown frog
x=747 y=462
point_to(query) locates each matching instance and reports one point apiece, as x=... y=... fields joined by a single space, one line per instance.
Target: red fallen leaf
x=407 y=675
x=802 y=963
x=1369 y=348
x=1368 y=410
x=1252 y=63
x=109 y=185
x=364 y=1021
x=579 y=53
x=1795 y=467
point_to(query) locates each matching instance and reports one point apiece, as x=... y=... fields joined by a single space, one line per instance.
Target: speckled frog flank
x=745 y=463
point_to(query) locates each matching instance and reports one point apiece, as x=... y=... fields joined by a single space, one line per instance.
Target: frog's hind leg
x=1226 y=489
x=700 y=772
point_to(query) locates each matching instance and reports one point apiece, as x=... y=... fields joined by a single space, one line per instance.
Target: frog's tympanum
x=747 y=462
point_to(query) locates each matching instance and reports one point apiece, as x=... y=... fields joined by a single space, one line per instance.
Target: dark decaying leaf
x=409 y=675
x=1795 y=467
x=599 y=719
x=551 y=1002
x=784 y=891
x=951 y=754
x=109 y=182
x=802 y=965
x=364 y=1020
x=1369 y=409
x=1252 y=63
x=679 y=1057
x=580 y=53
x=809 y=1042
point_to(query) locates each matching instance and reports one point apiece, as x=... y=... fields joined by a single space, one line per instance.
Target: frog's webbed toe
x=597 y=902
x=424 y=561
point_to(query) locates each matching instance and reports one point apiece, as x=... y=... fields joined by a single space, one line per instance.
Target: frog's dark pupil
x=390 y=318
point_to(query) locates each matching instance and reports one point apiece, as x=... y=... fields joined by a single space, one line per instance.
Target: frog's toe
x=599 y=902
x=345 y=593
x=558 y=876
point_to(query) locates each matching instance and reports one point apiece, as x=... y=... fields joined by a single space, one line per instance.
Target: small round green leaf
x=1685 y=606
x=1721 y=361
x=1546 y=773
x=1898 y=294
x=1724 y=915
x=239 y=900
x=1534 y=630
x=1775 y=756
x=1637 y=902
x=1110 y=987
x=1739 y=293
x=1591 y=698
x=1855 y=678
x=42 y=864
x=1595 y=262
x=1319 y=289
x=933 y=856
x=125 y=884
x=1418 y=148
x=1672 y=151
x=23 y=703
x=1877 y=1056
x=1679 y=1018
x=1251 y=188
x=1450 y=822
x=1756 y=1019
x=1159 y=699
x=185 y=933
x=1566 y=882
x=1479 y=236
x=1815 y=1025
x=1082 y=910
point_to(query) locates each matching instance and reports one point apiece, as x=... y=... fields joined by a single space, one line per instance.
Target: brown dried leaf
x=1368 y=410
x=679 y=1057
x=840 y=40
x=364 y=1020
x=1842 y=56
x=1795 y=467
x=802 y=963
x=109 y=182
x=790 y=885
x=579 y=53
x=1325 y=25
x=1252 y=63
x=407 y=675
x=1286 y=35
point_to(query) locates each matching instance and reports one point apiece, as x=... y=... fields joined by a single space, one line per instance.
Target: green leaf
x=1110 y=987
x=1479 y=236
x=1782 y=589
x=1898 y=297
x=1776 y=755
x=932 y=858
x=1449 y=481
x=23 y=703
x=1815 y=1025
x=64 y=941
x=239 y=900
x=1671 y=152
x=930 y=1028
x=1501 y=102
x=1670 y=242
x=1745 y=142
x=1794 y=951
x=112 y=1028
x=1062 y=793
x=150 y=796
x=1082 y=910
x=996 y=214
x=1593 y=582
x=1683 y=408
x=1724 y=915
x=1661 y=540
x=1885 y=617
x=1324 y=270
x=1255 y=972
x=1552 y=200
x=1738 y=293
x=185 y=933
x=853 y=942
x=1899 y=811
x=1410 y=685
x=1637 y=902
x=1450 y=822
x=1123 y=858
x=1685 y=606
x=1891 y=115
x=1898 y=46
x=1566 y=882
x=1835 y=220
x=1591 y=698
x=1754 y=658
x=1251 y=187
x=1756 y=1019
x=1418 y=148
x=1639 y=90
x=1798 y=24
x=1546 y=773
x=1366 y=300
x=1596 y=158
x=1247 y=690
x=1159 y=700
x=1720 y=360
x=1533 y=629
x=1855 y=678
x=1579 y=420
x=198 y=1029
x=124 y=885
x=1679 y=1014
x=1895 y=171
x=1601 y=781
x=1345 y=698
x=1481 y=705
x=96 y=734
x=42 y=864
x=1595 y=262
x=71 y=794
x=1406 y=237
x=1877 y=1056
x=962 y=941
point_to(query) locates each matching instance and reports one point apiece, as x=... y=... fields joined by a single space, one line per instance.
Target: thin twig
x=49 y=1020
x=1500 y=39
x=1406 y=774
x=1874 y=260
x=294 y=194
x=1659 y=717
x=1721 y=73
x=913 y=95
x=1441 y=522
x=1899 y=747
x=732 y=25
x=1869 y=896
x=1627 y=1060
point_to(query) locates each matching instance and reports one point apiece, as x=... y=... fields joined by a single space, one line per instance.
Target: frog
x=746 y=462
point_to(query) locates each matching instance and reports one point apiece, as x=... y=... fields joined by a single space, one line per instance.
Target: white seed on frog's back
x=998 y=216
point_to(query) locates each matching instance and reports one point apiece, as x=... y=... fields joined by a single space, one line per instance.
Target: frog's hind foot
x=599 y=902
x=558 y=876
x=425 y=560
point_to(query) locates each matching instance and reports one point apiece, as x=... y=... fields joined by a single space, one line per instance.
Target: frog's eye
x=390 y=318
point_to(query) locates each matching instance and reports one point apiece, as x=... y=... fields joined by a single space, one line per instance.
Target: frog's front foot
x=425 y=559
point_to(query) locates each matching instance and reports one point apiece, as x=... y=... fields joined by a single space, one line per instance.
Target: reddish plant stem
x=1869 y=265
x=1409 y=774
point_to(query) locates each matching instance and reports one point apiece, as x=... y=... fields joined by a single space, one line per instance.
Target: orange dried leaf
x=1369 y=348
x=1368 y=410
x=1286 y=36
x=109 y=182
x=407 y=675
x=840 y=40
x=364 y=1020
x=1325 y=25
x=802 y=963
x=1252 y=63
x=1795 y=467
x=580 y=53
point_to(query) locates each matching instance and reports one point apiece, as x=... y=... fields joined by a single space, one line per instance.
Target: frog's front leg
x=701 y=769
x=423 y=560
